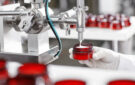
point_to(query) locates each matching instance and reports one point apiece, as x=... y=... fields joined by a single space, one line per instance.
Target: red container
x=122 y=82
x=82 y=52
x=104 y=23
x=3 y=73
x=92 y=22
x=125 y=21
x=73 y=26
x=70 y=82
x=116 y=25
x=31 y=74
x=32 y=69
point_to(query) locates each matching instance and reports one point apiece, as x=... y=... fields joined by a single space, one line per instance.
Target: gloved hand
x=102 y=58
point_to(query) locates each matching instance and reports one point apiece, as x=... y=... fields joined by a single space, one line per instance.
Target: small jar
x=3 y=72
x=31 y=74
x=125 y=22
x=82 y=52
x=70 y=82
x=122 y=82
x=116 y=25
x=92 y=22
x=104 y=23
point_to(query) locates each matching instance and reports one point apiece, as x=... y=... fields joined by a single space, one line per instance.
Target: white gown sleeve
x=127 y=62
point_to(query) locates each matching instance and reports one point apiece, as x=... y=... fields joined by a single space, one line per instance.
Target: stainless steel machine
x=24 y=32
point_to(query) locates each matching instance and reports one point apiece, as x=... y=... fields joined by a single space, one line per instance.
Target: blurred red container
x=122 y=82
x=70 y=82
x=82 y=52
x=31 y=74
x=92 y=22
x=125 y=21
x=104 y=23
x=73 y=26
x=116 y=25
x=3 y=73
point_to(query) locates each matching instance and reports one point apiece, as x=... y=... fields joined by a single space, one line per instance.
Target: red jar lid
x=32 y=69
x=84 y=47
x=122 y=82
x=70 y=82
x=2 y=64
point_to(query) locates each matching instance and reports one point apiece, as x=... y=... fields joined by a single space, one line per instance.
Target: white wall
x=109 y=6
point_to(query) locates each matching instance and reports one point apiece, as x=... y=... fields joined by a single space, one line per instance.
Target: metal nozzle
x=80 y=37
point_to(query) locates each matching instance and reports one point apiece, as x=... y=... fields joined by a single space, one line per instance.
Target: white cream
x=80 y=46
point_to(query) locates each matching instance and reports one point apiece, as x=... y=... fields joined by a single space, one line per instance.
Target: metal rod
x=8 y=13
x=68 y=20
x=80 y=19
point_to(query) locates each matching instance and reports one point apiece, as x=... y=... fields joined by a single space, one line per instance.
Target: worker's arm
x=127 y=62
x=108 y=59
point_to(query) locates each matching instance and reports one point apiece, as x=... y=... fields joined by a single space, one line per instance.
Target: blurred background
x=96 y=7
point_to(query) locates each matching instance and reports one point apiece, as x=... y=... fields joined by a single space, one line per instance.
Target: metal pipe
x=10 y=13
x=80 y=19
x=68 y=20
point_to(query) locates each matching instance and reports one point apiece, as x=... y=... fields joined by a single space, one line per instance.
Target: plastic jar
x=92 y=22
x=31 y=74
x=116 y=25
x=82 y=52
x=104 y=23
x=70 y=82
x=125 y=21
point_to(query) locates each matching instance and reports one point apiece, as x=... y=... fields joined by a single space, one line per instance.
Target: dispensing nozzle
x=80 y=19
x=80 y=37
